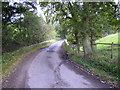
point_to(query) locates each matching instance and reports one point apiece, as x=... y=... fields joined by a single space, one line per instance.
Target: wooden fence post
x=112 y=49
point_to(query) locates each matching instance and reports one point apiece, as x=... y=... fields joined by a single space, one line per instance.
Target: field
x=105 y=50
x=108 y=39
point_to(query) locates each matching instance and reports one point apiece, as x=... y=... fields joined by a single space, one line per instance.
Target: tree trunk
x=76 y=37
x=86 y=40
x=77 y=40
x=93 y=46
x=87 y=47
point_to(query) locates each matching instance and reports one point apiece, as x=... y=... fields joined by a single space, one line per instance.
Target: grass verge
x=106 y=69
x=12 y=59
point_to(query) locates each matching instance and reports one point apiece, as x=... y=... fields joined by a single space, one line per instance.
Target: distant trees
x=21 y=26
x=83 y=22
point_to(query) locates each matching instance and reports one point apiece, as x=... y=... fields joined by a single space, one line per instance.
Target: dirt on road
x=46 y=69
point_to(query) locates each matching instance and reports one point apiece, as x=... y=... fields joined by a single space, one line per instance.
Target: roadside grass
x=106 y=53
x=100 y=64
x=12 y=59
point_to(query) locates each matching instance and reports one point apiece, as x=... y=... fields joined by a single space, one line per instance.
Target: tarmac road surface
x=47 y=69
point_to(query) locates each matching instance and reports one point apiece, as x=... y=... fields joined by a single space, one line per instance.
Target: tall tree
x=85 y=21
x=22 y=26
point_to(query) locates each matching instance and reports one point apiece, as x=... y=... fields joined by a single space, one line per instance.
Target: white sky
x=116 y=1
x=40 y=12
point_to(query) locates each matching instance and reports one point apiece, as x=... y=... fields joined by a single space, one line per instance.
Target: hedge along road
x=48 y=70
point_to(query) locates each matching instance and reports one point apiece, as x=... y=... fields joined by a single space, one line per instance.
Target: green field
x=108 y=39
x=105 y=50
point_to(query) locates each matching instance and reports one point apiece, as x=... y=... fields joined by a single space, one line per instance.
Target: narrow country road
x=48 y=70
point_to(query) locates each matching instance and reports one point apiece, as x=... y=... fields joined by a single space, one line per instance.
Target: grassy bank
x=100 y=64
x=11 y=60
x=105 y=50
x=108 y=39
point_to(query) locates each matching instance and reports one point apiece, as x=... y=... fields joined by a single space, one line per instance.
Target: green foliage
x=61 y=33
x=22 y=27
x=74 y=15
x=79 y=20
